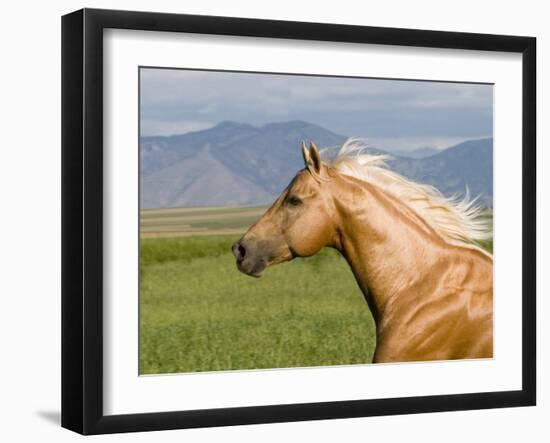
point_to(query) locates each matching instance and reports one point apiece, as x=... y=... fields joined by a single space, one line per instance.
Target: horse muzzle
x=250 y=260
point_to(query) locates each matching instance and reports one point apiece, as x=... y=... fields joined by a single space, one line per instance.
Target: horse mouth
x=252 y=269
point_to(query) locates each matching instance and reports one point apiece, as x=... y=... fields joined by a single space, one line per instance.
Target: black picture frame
x=82 y=220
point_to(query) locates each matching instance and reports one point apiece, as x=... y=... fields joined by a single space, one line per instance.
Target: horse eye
x=294 y=201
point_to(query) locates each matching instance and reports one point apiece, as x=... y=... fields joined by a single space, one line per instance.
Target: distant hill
x=229 y=164
x=240 y=164
x=423 y=152
x=466 y=165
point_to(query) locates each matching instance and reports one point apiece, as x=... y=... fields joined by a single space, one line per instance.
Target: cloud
x=363 y=107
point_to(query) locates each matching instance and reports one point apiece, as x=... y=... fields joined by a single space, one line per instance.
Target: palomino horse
x=412 y=251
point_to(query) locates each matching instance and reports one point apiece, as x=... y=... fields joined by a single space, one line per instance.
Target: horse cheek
x=307 y=239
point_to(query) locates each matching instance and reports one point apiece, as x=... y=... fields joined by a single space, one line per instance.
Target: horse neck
x=387 y=245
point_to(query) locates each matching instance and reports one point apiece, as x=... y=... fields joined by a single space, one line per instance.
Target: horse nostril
x=241 y=251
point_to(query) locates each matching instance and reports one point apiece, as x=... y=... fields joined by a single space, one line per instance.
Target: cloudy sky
x=387 y=113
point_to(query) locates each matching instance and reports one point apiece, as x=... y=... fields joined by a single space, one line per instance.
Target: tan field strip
x=223 y=209
x=237 y=231
x=171 y=227
x=182 y=210
x=203 y=221
x=186 y=218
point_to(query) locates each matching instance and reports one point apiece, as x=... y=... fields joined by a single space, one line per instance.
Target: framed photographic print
x=269 y=221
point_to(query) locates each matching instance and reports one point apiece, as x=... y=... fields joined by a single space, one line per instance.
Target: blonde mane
x=455 y=220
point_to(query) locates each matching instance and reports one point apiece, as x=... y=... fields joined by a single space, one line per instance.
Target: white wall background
x=30 y=219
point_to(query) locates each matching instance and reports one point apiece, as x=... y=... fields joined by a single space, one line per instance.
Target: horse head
x=298 y=224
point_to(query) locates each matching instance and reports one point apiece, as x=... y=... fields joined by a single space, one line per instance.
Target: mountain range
x=236 y=164
x=423 y=152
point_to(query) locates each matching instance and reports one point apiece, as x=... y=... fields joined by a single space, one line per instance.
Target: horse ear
x=305 y=154
x=315 y=157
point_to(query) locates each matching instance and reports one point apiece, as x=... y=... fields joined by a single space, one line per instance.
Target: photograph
x=298 y=221
x=294 y=218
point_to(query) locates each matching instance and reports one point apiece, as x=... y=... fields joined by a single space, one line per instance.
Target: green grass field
x=198 y=313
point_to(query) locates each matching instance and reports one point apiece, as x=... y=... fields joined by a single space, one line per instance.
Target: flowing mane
x=454 y=219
